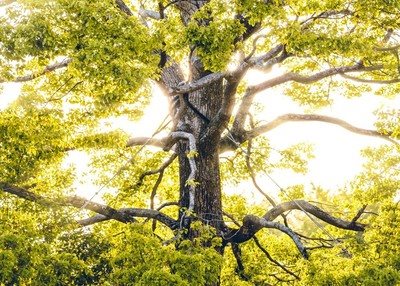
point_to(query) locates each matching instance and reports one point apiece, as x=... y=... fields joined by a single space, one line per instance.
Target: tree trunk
x=207 y=207
x=207 y=202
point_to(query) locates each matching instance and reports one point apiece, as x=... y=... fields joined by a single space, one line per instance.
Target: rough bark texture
x=208 y=190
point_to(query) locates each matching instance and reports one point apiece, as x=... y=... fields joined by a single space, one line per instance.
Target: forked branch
x=157 y=171
x=252 y=224
x=270 y=258
x=291 y=77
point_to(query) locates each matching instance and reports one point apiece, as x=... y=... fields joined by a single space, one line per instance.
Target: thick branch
x=136 y=141
x=242 y=136
x=261 y=60
x=93 y=220
x=315 y=211
x=288 y=77
x=296 y=239
x=308 y=79
x=193 y=86
x=252 y=224
x=49 y=68
x=123 y=7
x=388 y=49
x=132 y=213
x=149 y=14
x=104 y=212
x=315 y=117
x=214 y=77
x=240 y=266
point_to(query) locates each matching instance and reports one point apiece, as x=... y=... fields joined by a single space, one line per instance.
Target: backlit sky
x=337 y=151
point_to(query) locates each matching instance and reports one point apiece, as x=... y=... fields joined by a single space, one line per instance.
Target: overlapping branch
x=158 y=170
x=270 y=258
x=291 y=77
x=252 y=224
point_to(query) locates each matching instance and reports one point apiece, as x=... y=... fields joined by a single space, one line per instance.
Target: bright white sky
x=337 y=151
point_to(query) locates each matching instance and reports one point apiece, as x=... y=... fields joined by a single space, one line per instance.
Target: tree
x=84 y=63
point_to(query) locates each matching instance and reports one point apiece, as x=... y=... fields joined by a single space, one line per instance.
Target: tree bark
x=208 y=207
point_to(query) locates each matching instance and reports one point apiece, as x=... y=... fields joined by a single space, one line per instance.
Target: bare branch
x=359 y=213
x=253 y=175
x=254 y=47
x=260 y=60
x=238 y=256
x=123 y=7
x=136 y=141
x=104 y=212
x=315 y=117
x=315 y=211
x=288 y=77
x=232 y=218
x=252 y=224
x=155 y=188
x=372 y=81
x=92 y=220
x=309 y=79
x=193 y=86
x=156 y=171
x=47 y=69
x=270 y=258
x=167 y=204
x=214 y=77
x=133 y=213
x=242 y=136
x=272 y=224
x=149 y=14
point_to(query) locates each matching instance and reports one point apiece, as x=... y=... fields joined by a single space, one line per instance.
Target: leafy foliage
x=85 y=64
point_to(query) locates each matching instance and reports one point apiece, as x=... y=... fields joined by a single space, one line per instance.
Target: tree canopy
x=165 y=216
